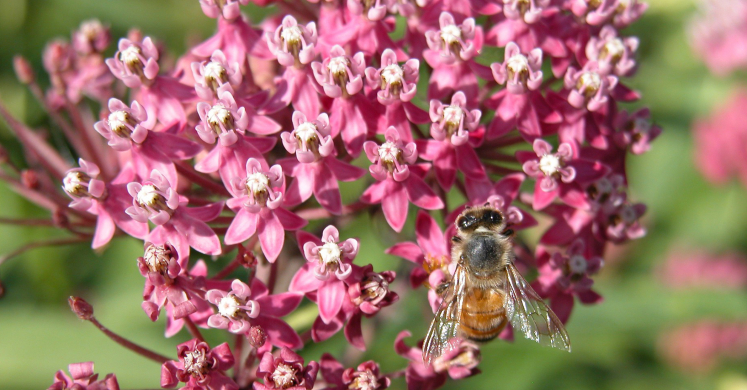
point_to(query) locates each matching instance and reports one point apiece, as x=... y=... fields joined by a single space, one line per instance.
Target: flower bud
x=81 y=308
x=23 y=69
x=257 y=336
x=30 y=179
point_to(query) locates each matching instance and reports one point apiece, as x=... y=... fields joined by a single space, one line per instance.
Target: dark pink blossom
x=107 y=201
x=329 y=264
x=259 y=196
x=521 y=104
x=527 y=11
x=129 y=129
x=341 y=77
x=396 y=184
x=614 y=55
x=82 y=377
x=452 y=147
x=367 y=376
x=395 y=82
x=169 y=285
x=286 y=371
x=234 y=308
x=217 y=73
x=199 y=367
x=459 y=362
x=316 y=169
x=559 y=174
x=155 y=200
x=293 y=44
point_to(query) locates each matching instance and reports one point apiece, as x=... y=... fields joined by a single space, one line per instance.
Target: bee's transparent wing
x=530 y=315
x=448 y=317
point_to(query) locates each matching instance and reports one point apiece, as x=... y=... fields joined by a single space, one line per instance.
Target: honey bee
x=486 y=291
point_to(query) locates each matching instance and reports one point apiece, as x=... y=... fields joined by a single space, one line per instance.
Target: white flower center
x=284 y=376
x=451 y=34
x=73 y=183
x=215 y=71
x=148 y=195
x=157 y=257
x=518 y=63
x=195 y=362
x=291 y=34
x=257 y=183
x=393 y=74
x=453 y=115
x=330 y=253
x=549 y=164
x=365 y=380
x=388 y=152
x=589 y=83
x=229 y=306
x=91 y=28
x=131 y=55
x=577 y=264
x=338 y=65
x=118 y=121
x=306 y=132
x=218 y=114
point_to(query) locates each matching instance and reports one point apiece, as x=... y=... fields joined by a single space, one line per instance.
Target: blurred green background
x=614 y=343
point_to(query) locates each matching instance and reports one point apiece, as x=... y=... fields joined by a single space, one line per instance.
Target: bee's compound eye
x=462 y=223
x=496 y=217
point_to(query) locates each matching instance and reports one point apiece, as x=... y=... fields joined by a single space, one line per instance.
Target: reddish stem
x=320 y=213
x=200 y=179
x=129 y=344
x=40 y=244
x=193 y=330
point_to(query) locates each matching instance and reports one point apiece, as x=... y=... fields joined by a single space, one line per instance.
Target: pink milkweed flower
x=452 y=42
x=395 y=83
x=521 y=104
x=520 y=73
x=627 y=12
x=341 y=77
x=698 y=347
x=287 y=371
x=316 y=169
x=368 y=292
x=107 y=201
x=159 y=264
x=271 y=308
x=258 y=197
x=218 y=73
x=452 y=148
x=199 y=367
x=169 y=285
x=458 y=362
x=234 y=308
x=310 y=140
x=91 y=37
x=528 y=11
x=229 y=9
x=224 y=119
x=367 y=376
x=82 y=377
x=635 y=132
x=237 y=39
x=615 y=55
x=293 y=44
x=589 y=87
x=399 y=180
x=715 y=31
x=134 y=63
x=559 y=174
x=329 y=264
x=684 y=269
x=130 y=128
x=155 y=200
x=340 y=74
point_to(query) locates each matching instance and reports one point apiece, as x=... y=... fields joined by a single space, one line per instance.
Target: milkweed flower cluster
x=245 y=140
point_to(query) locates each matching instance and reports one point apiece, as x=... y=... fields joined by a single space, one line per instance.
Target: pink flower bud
x=23 y=69
x=81 y=308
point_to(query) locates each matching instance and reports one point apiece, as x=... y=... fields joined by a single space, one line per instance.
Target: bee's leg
x=441 y=288
x=508 y=232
